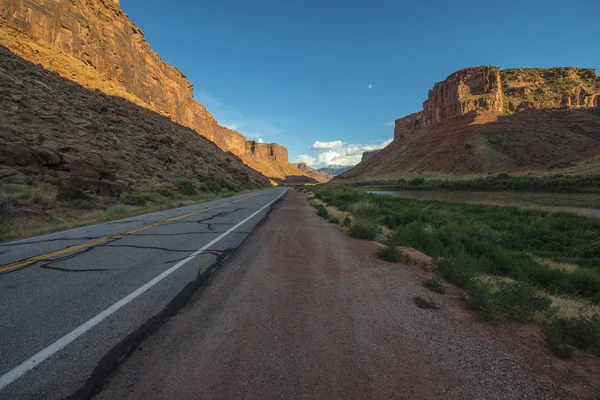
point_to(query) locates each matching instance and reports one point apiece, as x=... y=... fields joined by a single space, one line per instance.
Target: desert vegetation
x=498 y=182
x=28 y=211
x=525 y=266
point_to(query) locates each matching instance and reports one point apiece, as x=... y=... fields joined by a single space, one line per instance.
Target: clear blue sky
x=298 y=72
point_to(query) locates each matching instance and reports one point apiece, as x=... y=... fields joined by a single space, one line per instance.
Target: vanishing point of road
x=74 y=303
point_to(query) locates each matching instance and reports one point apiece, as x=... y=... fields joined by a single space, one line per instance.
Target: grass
x=71 y=211
x=499 y=182
x=520 y=265
x=425 y=303
x=435 y=285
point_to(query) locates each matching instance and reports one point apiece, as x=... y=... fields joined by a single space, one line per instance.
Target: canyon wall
x=483 y=120
x=493 y=91
x=93 y=43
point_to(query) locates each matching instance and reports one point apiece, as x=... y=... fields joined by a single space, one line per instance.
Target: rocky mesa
x=93 y=43
x=486 y=120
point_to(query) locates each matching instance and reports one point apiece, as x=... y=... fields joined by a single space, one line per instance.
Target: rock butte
x=487 y=120
x=93 y=43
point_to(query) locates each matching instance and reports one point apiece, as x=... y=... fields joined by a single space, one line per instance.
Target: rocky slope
x=317 y=175
x=483 y=119
x=93 y=42
x=54 y=130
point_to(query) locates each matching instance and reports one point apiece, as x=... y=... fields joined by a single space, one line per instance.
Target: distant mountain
x=335 y=169
x=317 y=175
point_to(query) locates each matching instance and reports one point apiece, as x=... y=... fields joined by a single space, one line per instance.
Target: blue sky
x=340 y=72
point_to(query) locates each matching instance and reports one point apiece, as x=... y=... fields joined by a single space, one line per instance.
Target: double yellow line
x=23 y=263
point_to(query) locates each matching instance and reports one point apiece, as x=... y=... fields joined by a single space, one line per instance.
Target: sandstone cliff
x=53 y=130
x=93 y=42
x=484 y=119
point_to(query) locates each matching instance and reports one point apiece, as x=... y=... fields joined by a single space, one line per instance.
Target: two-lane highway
x=73 y=303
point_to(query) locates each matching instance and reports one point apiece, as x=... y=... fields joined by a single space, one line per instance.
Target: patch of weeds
x=565 y=334
x=391 y=254
x=67 y=194
x=347 y=221
x=435 y=285
x=185 y=187
x=518 y=301
x=133 y=200
x=82 y=204
x=165 y=192
x=425 y=303
x=363 y=229
x=416 y=182
x=12 y=188
x=117 y=211
x=322 y=211
x=365 y=209
x=153 y=197
x=333 y=220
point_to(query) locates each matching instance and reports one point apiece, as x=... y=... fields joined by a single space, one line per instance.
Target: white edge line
x=67 y=339
x=115 y=220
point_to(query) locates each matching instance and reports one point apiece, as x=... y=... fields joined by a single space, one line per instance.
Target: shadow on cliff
x=50 y=123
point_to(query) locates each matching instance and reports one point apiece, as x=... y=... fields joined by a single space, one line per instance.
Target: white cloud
x=305 y=158
x=342 y=153
x=370 y=87
x=260 y=140
x=327 y=145
x=390 y=123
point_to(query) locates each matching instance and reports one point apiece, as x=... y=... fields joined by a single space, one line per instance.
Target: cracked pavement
x=47 y=299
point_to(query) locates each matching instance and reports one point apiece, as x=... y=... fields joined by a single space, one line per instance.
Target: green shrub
x=347 y=221
x=391 y=254
x=82 y=204
x=434 y=285
x=67 y=194
x=514 y=300
x=562 y=335
x=333 y=220
x=365 y=209
x=117 y=211
x=12 y=188
x=363 y=229
x=322 y=211
x=133 y=200
x=212 y=186
x=7 y=210
x=425 y=303
x=416 y=182
x=153 y=197
x=165 y=192
x=185 y=187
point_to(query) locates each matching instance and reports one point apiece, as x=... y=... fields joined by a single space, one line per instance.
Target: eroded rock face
x=494 y=91
x=94 y=43
x=486 y=120
x=62 y=132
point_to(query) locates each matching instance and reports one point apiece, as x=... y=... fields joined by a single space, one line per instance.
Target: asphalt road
x=73 y=303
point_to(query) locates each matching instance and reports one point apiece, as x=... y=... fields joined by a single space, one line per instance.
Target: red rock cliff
x=494 y=91
x=94 y=43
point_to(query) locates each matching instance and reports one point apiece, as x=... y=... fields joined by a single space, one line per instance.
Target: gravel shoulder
x=304 y=311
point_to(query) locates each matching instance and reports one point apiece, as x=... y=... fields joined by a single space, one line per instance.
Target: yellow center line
x=23 y=263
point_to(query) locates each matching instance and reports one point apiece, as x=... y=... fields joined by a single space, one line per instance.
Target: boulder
x=23 y=155
x=86 y=175
x=11 y=175
x=418 y=259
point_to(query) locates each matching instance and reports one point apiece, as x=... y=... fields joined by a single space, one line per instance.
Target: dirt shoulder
x=304 y=311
